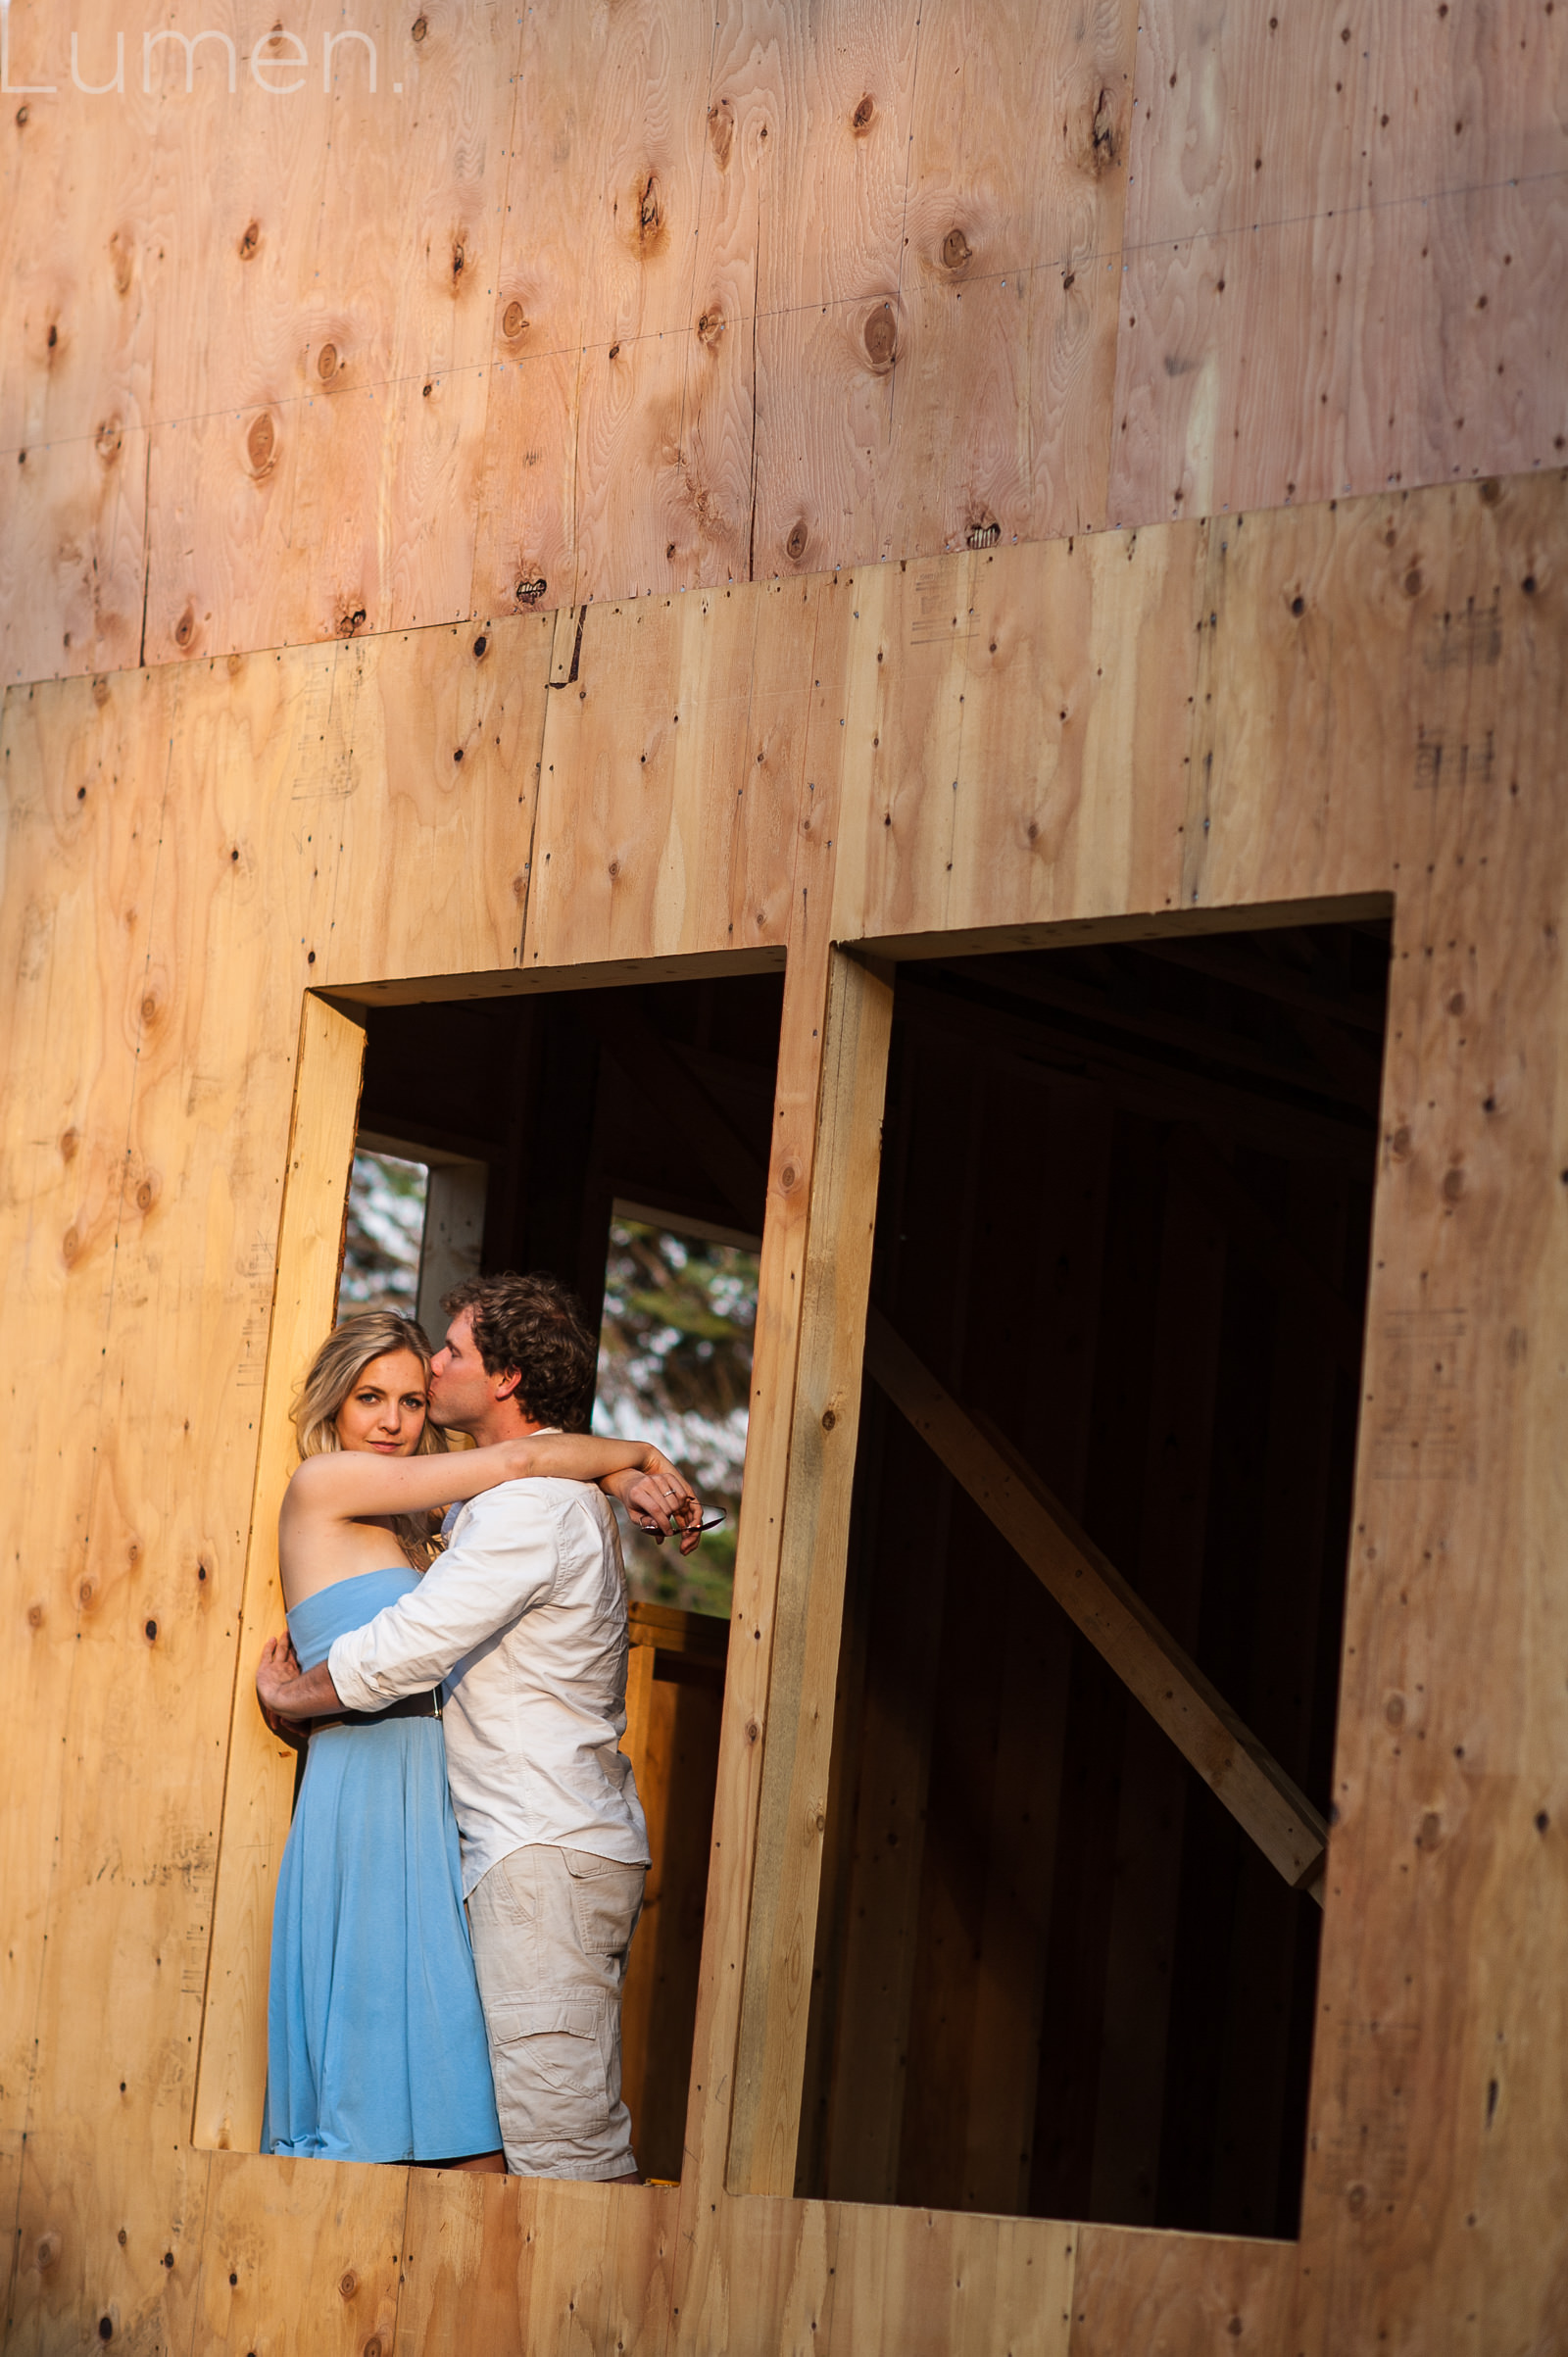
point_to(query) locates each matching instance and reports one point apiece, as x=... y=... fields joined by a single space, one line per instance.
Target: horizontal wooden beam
x=1096 y=1599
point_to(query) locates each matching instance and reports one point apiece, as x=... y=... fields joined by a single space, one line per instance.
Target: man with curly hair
x=524 y=1618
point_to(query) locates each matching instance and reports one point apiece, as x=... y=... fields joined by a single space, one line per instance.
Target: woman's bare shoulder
x=313 y=1482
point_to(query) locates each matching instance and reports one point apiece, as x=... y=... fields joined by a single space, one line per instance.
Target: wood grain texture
x=960 y=812
x=233 y=2082
x=835 y=1284
x=814 y=120
x=1397 y=736
x=349 y=511
x=705 y=2282
x=136 y=1816
x=1017 y=180
x=671 y=1740
x=301 y=2256
x=685 y=737
x=77 y=860
x=1116 y=1619
x=534 y=2266
x=1135 y=2290
x=73 y=527
x=706 y=299
x=1344 y=245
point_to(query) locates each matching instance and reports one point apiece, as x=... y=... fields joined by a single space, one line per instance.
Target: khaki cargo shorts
x=551 y=1929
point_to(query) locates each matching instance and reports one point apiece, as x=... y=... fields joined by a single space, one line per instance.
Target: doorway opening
x=619 y=1138
x=1117 y=1302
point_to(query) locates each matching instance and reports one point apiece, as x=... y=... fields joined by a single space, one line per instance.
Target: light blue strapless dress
x=375 y=2044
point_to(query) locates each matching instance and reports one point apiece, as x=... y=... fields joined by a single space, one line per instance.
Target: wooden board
x=674 y=1698
x=258 y=1798
x=1114 y=1616
x=834 y=1287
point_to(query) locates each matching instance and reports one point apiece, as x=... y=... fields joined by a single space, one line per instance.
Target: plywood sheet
x=1345 y=243
x=155 y=1632
x=599 y=246
x=301 y=2256
x=681 y=745
x=81 y=829
x=701 y=300
x=535 y=2266
x=346 y=512
x=82 y=223
x=72 y=530
x=1017 y=178
x=526 y=550
x=1016 y=734
x=1139 y=2291
x=811 y=124
x=351 y=233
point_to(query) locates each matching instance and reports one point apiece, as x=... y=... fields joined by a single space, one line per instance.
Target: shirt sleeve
x=502 y=1560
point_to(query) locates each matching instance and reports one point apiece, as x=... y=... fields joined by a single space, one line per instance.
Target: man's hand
x=286 y=1694
x=279 y=1659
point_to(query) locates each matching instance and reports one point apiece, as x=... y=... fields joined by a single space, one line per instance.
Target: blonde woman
x=375 y=2041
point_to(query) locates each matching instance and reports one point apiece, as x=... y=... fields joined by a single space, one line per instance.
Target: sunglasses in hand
x=708 y=1522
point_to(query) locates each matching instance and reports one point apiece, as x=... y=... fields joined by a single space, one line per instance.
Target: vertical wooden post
x=776 y=1984
x=639 y=1707
x=258 y=1791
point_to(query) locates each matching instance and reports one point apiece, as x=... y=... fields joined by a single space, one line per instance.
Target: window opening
x=384 y=1235
x=1121 y=1254
x=675 y=1366
x=620 y=1138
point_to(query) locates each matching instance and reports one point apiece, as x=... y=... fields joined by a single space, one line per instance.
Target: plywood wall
x=1373 y=707
x=593 y=302
x=782 y=339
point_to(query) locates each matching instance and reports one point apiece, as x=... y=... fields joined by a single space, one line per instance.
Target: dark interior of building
x=577 y=1099
x=1124 y=1213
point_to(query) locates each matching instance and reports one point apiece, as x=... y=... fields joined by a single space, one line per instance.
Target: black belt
x=411 y=1706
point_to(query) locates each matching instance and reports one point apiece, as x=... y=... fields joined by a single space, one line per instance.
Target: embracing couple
x=461 y=1880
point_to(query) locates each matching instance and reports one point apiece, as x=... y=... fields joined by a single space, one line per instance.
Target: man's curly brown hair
x=535 y=1325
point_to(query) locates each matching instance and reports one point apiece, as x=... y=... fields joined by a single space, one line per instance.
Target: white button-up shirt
x=524 y=1617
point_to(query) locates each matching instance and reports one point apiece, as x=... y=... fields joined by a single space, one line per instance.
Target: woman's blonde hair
x=334 y=1373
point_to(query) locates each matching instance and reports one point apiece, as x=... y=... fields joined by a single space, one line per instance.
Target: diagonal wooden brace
x=1096 y=1599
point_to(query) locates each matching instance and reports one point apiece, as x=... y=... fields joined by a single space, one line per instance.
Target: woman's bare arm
x=353 y=1483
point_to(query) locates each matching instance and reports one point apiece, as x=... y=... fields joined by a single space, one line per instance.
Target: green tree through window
x=675 y=1366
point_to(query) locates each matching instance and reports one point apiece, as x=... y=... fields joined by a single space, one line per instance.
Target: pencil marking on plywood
x=934 y=623
x=1437 y=762
x=1423 y=1426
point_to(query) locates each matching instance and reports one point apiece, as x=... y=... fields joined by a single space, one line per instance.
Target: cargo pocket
x=605 y=1900
x=551 y=2070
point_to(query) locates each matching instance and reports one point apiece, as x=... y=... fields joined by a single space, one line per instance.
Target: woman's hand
x=660 y=1500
